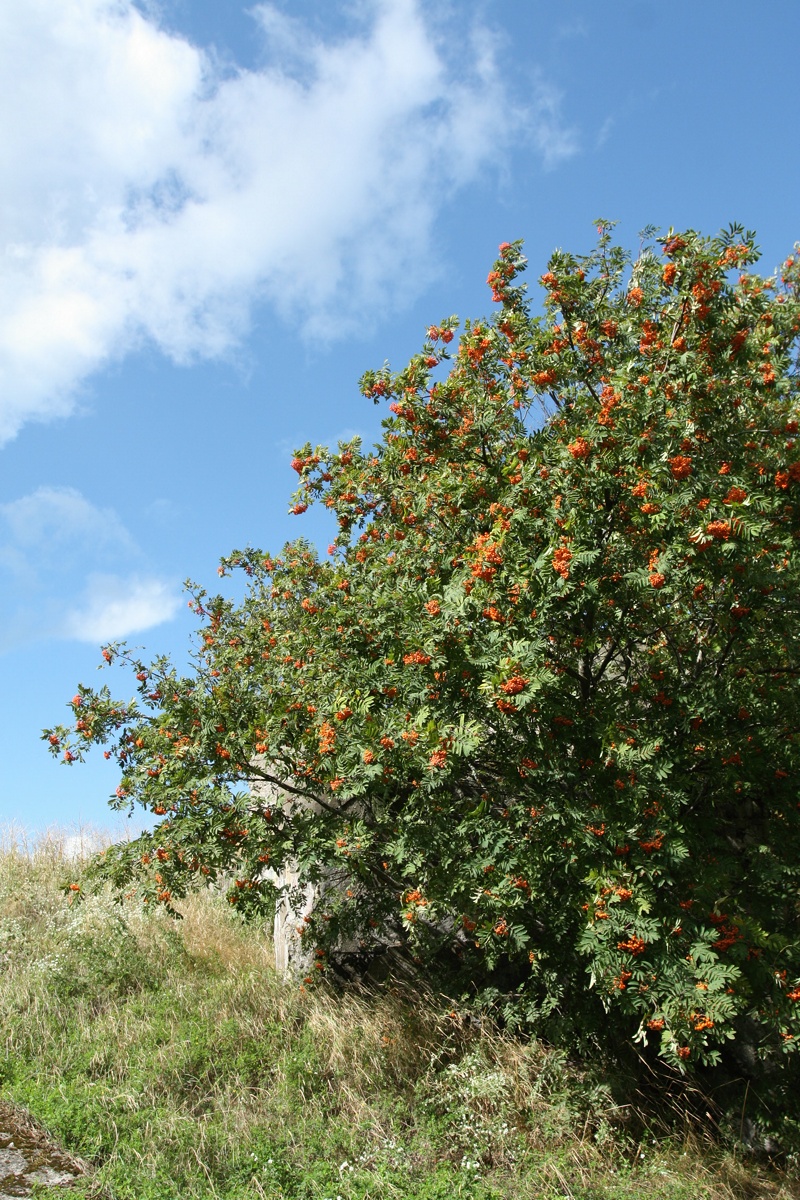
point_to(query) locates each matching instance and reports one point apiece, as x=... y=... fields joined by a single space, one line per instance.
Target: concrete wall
x=293 y=904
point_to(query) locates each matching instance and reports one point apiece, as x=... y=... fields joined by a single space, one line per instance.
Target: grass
x=171 y=1057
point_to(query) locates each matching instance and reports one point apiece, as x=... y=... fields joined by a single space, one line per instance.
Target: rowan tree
x=538 y=704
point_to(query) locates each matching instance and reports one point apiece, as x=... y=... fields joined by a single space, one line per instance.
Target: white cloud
x=151 y=196
x=604 y=133
x=114 y=607
x=52 y=520
x=55 y=546
x=555 y=141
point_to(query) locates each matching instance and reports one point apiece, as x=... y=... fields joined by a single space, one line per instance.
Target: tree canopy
x=538 y=704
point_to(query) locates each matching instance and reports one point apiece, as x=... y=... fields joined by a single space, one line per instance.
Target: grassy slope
x=172 y=1058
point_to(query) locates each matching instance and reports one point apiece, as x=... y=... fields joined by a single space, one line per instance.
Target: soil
x=29 y=1156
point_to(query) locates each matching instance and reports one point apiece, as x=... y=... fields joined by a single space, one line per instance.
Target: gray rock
x=12 y=1162
x=49 y=1177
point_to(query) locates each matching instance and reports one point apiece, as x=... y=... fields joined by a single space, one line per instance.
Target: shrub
x=539 y=705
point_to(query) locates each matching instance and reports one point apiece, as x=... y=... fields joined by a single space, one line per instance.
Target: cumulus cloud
x=114 y=607
x=55 y=522
x=55 y=544
x=150 y=196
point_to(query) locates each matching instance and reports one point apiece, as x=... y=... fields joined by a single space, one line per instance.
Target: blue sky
x=216 y=216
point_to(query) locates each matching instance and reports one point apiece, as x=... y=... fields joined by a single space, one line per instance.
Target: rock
x=28 y=1156
x=12 y=1162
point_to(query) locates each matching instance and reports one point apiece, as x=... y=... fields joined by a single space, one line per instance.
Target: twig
x=744 y=1103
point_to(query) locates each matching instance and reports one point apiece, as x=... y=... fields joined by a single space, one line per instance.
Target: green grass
x=172 y=1058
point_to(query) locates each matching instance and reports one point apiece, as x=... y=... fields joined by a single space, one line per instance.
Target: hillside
x=171 y=1058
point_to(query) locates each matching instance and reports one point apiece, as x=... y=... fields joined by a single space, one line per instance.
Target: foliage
x=539 y=705
x=216 y=1079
